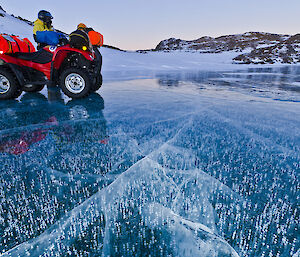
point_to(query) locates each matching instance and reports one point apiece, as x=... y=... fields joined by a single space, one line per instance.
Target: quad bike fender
x=65 y=50
x=2 y=62
x=60 y=56
x=7 y=59
x=12 y=67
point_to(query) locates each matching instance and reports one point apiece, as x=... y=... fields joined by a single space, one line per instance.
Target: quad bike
x=76 y=71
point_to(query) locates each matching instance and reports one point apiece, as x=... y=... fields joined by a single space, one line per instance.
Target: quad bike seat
x=41 y=56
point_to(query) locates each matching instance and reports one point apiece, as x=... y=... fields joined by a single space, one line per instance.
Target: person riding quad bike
x=95 y=37
x=96 y=40
x=44 y=33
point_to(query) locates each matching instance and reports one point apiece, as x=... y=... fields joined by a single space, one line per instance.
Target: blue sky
x=141 y=24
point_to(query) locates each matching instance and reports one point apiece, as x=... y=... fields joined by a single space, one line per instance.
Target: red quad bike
x=76 y=71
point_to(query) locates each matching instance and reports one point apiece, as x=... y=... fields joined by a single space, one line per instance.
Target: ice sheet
x=169 y=166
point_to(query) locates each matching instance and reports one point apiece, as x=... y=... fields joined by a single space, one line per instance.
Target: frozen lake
x=167 y=164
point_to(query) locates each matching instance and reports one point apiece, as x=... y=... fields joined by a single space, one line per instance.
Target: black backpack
x=79 y=39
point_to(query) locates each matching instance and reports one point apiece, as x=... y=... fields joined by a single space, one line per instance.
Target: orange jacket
x=96 y=38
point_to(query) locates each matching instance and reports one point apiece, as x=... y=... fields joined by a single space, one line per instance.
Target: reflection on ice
x=276 y=83
x=158 y=172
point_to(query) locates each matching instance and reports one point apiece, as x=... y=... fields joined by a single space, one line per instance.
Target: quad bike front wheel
x=32 y=88
x=75 y=83
x=98 y=82
x=9 y=86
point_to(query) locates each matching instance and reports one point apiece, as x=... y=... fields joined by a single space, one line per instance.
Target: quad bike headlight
x=84 y=48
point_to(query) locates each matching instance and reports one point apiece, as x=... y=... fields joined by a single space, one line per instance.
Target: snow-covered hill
x=224 y=43
x=16 y=26
x=285 y=51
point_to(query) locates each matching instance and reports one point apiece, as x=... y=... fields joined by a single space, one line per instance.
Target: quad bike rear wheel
x=75 y=83
x=9 y=86
x=32 y=88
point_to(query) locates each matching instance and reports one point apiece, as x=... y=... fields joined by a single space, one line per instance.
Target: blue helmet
x=45 y=16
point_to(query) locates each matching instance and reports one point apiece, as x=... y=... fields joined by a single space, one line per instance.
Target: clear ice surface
x=178 y=164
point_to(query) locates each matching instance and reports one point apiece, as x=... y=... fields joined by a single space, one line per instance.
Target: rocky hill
x=287 y=51
x=252 y=47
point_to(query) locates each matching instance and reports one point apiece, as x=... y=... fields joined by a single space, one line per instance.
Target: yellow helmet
x=81 y=26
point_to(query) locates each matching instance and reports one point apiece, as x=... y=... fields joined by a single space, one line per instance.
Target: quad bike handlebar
x=63 y=41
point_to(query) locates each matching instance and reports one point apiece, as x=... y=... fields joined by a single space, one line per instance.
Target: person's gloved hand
x=63 y=39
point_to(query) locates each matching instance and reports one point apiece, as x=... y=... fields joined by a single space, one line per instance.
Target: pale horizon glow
x=140 y=24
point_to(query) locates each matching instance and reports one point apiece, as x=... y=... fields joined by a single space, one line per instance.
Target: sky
x=141 y=24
